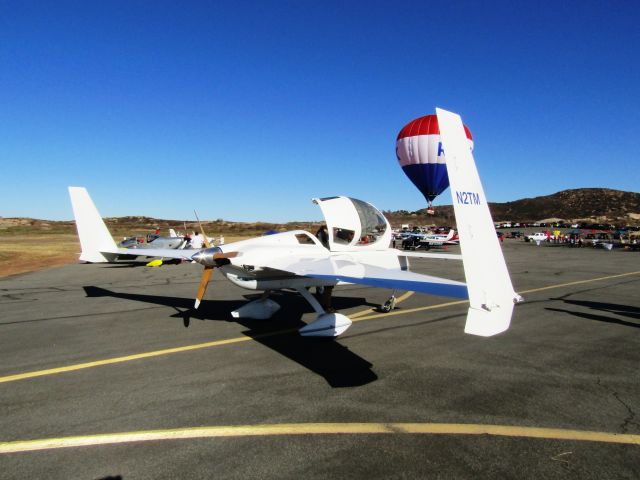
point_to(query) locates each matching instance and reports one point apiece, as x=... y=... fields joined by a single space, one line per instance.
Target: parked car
x=537 y=237
x=597 y=239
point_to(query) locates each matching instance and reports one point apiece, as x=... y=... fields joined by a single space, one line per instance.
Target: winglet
x=93 y=233
x=491 y=294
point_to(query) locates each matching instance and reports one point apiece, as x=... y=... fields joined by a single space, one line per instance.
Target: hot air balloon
x=421 y=156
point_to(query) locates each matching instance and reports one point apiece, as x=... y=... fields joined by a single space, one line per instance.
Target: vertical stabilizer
x=93 y=233
x=491 y=294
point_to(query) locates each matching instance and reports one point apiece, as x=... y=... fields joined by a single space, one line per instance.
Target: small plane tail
x=95 y=238
x=491 y=294
x=450 y=235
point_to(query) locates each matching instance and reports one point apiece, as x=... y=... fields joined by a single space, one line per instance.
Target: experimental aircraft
x=356 y=251
x=129 y=245
x=155 y=241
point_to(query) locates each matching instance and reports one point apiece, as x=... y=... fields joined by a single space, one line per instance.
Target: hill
x=139 y=225
x=591 y=205
x=598 y=204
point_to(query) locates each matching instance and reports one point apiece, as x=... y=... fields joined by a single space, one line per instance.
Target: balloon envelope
x=421 y=156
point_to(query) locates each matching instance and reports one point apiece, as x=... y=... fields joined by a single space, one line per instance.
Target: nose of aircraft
x=206 y=257
x=198 y=257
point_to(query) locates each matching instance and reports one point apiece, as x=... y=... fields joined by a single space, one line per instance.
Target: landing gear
x=390 y=304
x=326 y=324
x=260 y=309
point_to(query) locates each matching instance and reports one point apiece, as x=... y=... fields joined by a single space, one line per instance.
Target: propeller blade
x=204 y=235
x=225 y=255
x=206 y=275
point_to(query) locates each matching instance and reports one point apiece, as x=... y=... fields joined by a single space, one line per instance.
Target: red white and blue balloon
x=421 y=156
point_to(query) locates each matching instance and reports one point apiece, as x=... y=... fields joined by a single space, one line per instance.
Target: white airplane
x=154 y=241
x=357 y=251
x=437 y=239
x=428 y=240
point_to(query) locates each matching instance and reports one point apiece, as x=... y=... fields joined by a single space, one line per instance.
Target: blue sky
x=246 y=110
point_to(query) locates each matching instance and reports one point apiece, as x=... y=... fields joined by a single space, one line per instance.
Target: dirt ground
x=33 y=252
x=29 y=253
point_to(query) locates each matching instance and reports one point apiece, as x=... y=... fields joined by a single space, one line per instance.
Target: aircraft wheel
x=388 y=305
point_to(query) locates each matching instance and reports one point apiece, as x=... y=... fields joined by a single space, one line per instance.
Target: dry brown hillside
x=595 y=205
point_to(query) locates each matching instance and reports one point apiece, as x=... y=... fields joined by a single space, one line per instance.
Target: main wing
x=153 y=252
x=348 y=270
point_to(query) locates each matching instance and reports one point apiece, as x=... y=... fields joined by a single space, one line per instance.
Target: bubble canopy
x=353 y=224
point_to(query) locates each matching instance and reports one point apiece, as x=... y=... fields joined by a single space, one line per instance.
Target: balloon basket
x=431 y=211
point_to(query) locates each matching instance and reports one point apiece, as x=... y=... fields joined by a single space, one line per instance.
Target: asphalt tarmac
x=96 y=361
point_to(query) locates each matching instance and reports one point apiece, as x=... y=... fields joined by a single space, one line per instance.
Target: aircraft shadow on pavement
x=326 y=357
x=611 y=308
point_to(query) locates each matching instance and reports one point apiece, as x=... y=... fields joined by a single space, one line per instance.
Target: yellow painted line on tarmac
x=318 y=429
x=523 y=292
x=580 y=282
x=401 y=298
x=217 y=343
x=157 y=353
x=137 y=356
x=411 y=310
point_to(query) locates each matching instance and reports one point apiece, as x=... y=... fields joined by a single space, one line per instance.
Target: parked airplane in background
x=413 y=241
x=436 y=239
x=151 y=241
x=155 y=241
x=142 y=245
x=356 y=250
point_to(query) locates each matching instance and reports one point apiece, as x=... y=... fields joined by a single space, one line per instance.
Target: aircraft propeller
x=208 y=269
x=210 y=257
